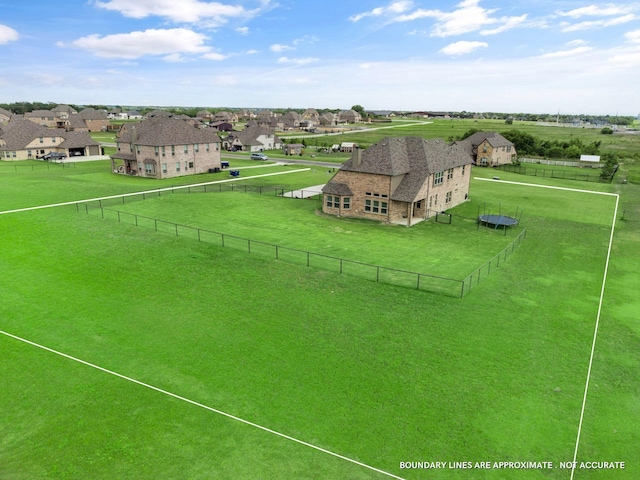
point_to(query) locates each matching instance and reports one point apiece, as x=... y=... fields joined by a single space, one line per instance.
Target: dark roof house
x=399 y=180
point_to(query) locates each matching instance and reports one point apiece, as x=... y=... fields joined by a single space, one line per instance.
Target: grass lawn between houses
x=377 y=373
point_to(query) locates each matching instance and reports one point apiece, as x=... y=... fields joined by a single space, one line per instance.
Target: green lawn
x=378 y=373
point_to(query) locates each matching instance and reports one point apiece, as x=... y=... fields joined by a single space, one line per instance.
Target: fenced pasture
x=373 y=372
x=551 y=171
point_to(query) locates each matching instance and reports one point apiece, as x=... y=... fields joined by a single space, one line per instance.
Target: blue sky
x=536 y=56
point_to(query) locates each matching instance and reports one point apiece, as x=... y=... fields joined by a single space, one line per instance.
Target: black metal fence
x=486 y=269
x=549 y=172
x=377 y=273
x=7 y=166
x=420 y=281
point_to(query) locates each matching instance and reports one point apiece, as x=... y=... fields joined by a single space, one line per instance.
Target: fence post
x=277 y=258
x=340 y=265
x=102 y=212
x=156 y=224
x=136 y=217
x=199 y=235
x=248 y=246
x=118 y=216
x=222 y=235
x=377 y=274
x=418 y=283
x=462 y=289
x=308 y=259
x=176 y=229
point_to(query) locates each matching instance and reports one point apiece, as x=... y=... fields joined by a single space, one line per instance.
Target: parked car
x=259 y=156
x=54 y=156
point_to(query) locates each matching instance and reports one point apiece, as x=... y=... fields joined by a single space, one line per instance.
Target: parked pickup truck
x=54 y=156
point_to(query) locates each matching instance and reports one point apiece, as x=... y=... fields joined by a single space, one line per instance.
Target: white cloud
x=576 y=43
x=469 y=16
x=278 y=47
x=462 y=48
x=185 y=11
x=508 y=24
x=633 y=37
x=567 y=53
x=607 y=10
x=588 y=25
x=393 y=8
x=138 y=44
x=7 y=34
x=214 y=56
x=243 y=30
x=252 y=52
x=297 y=61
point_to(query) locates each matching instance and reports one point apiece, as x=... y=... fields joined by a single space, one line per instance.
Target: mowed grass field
x=377 y=373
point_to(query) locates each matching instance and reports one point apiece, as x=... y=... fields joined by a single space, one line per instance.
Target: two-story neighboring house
x=23 y=139
x=253 y=139
x=488 y=149
x=165 y=147
x=399 y=180
x=45 y=118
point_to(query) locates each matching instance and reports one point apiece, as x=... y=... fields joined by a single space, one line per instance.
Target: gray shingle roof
x=165 y=130
x=412 y=157
x=470 y=144
x=19 y=133
x=337 y=188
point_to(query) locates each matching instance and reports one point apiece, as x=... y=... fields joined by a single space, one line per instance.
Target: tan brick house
x=22 y=139
x=488 y=149
x=399 y=180
x=165 y=147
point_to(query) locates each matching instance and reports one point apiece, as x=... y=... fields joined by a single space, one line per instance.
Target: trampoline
x=496 y=221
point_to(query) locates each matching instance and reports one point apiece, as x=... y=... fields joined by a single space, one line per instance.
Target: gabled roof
x=77 y=140
x=411 y=157
x=93 y=114
x=470 y=144
x=40 y=113
x=19 y=133
x=166 y=130
x=64 y=109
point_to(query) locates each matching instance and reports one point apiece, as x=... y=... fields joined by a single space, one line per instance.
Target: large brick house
x=165 y=147
x=399 y=180
x=23 y=139
x=488 y=149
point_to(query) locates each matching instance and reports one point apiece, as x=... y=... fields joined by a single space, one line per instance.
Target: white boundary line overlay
x=604 y=281
x=197 y=404
x=166 y=189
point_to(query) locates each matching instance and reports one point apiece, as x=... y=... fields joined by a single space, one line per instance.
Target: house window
x=450 y=174
x=346 y=203
x=163 y=150
x=139 y=166
x=156 y=149
x=375 y=206
x=28 y=153
x=483 y=161
x=164 y=168
x=419 y=205
x=207 y=146
x=173 y=149
x=186 y=149
x=138 y=148
x=330 y=203
x=149 y=169
x=438 y=178
x=53 y=139
x=190 y=164
x=508 y=148
x=186 y=166
x=447 y=198
x=196 y=148
x=463 y=169
x=177 y=166
x=41 y=139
